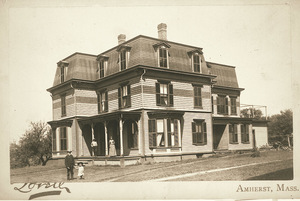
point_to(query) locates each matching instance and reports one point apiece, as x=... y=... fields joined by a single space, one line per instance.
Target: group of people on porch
x=112 y=147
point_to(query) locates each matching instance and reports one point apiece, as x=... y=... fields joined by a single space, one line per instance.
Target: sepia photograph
x=139 y=100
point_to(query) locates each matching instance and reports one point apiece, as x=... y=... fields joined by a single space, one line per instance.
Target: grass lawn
x=271 y=165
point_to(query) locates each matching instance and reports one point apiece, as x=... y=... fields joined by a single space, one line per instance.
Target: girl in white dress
x=80 y=170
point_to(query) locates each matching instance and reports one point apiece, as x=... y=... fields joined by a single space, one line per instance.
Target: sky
x=254 y=38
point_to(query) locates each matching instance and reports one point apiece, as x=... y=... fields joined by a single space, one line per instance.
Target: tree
x=280 y=125
x=252 y=113
x=34 y=146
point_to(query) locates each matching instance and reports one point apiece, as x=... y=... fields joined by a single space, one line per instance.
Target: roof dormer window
x=102 y=65
x=124 y=53
x=162 y=50
x=196 y=60
x=63 y=70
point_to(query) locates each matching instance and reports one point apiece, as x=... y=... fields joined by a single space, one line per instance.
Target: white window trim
x=157 y=53
x=200 y=62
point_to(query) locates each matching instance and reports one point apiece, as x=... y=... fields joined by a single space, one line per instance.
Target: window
x=197 y=63
x=245 y=133
x=163 y=57
x=124 y=96
x=233 y=105
x=102 y=100
x=222 y=105
x=199 y=133
x=62 y=73
x=63 y=139
x=163 y=132
x=197 y=96
x=164 y=94
x=102 y=65
x=233 y=134
x=123 y=60
x=63 y=105
x=54 y=140
x=172 y=128
x=132 y=135
x=101 y=68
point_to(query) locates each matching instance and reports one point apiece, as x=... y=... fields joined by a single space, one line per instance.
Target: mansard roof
x=85 y=66
x=226 y=76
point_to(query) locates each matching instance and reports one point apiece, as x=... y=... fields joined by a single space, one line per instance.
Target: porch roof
x=125 y=115
x=227 y=120
x=59 y=123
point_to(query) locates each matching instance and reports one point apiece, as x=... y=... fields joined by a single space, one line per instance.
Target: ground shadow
x=285 y=174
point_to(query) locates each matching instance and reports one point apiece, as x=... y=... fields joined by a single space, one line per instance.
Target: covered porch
x=122 y=126
x=232 y=133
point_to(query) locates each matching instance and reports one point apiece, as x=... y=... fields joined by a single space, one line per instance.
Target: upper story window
x=195 y=56
x=245 y=133
x=233 y=105
x=63 y=139
x=233 y=134
x=197 y=96
x=124 y=53
x=199 y=132
x=102 y=65
x=124 y=96
x=102 y=98
x=222 y=104
x=63 y=65
x=164 y=93
x=161 y=137
x=163 y=55
x=197 y=63
x=62 y=74
x=63 y=105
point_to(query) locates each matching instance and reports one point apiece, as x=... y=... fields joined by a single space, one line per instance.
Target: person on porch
x=94 y=146
x=112 y=147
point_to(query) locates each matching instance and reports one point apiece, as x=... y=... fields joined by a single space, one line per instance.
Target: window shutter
x=119 y=97
x=200 y=95
x=171 y=95
x=230 y=133
x=106 y=101
x=226 y=105
x=157 y=85
x=128 y=96
x=194 y=132
x=151 y=131
x=204 y=133
x=176 y=131
x=98 y=102
x=218 y=105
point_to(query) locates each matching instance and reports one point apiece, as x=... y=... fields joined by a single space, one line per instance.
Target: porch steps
x=115 y=161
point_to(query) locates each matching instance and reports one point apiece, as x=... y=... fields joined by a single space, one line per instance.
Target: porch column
x=92 y=127
x=140 y=136
x=179 y=133
x=58 y=140
x=106 y=139
x=121 y=137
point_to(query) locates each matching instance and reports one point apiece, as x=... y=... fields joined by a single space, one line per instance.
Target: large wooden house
x=158 y=99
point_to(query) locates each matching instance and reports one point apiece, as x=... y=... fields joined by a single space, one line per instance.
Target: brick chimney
x=162 y=31
x=121 y=38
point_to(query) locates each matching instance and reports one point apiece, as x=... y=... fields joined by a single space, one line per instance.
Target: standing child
x=80 y=170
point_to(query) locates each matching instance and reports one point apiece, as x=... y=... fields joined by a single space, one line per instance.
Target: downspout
x=142 y=87
x=142 y=117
